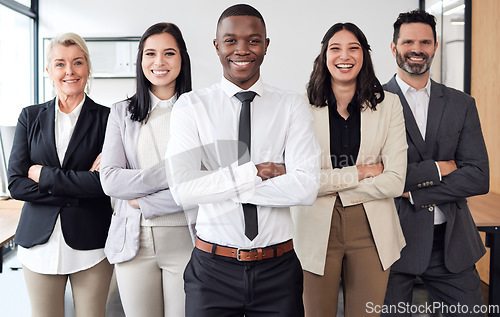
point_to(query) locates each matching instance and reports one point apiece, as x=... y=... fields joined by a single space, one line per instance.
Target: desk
x=10 y=211
x=485 y=210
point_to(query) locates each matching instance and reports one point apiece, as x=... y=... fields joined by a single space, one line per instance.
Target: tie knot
x=246 y=96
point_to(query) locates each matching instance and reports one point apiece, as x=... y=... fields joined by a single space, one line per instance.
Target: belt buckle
x=238 y=255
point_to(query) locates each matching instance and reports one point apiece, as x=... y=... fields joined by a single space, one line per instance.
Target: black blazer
x=453 y=133
x=69 y=190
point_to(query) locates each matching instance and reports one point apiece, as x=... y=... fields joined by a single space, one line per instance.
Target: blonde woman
x=54 y=168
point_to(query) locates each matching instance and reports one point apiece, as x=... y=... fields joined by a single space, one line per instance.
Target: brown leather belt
x=244 y=254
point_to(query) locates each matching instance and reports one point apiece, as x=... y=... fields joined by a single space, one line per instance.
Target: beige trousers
x=352 y=253
x=90 y=291
x=152 y=284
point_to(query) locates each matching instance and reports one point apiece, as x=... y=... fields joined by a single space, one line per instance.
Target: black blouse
x=345 y=135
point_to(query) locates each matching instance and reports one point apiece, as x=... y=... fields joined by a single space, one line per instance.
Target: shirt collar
x=352 y=107
x=231 y=89
x=157 y=102
x=75 y=112
x=405 y=87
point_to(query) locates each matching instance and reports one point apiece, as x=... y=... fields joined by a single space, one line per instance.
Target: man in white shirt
x=447 y=162
x=244 y=262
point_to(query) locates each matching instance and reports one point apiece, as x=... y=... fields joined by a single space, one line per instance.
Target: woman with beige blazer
x=352 y=230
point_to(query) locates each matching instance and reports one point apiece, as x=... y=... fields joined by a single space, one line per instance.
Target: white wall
x=294 y=27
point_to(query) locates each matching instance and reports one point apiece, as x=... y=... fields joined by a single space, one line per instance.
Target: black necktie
x=244 y=136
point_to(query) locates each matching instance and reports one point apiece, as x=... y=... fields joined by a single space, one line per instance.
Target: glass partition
x=449 y=63
x=16 y=64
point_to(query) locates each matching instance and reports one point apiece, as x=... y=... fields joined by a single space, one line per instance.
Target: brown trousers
x=352 y=254
x=90 y=291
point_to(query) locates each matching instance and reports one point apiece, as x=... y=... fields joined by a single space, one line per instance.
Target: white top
x=204 y=170
x=151 y=147
x=55 y=256
x=418 y=100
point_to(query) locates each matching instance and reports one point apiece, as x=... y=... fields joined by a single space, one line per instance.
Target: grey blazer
x=122 y=179
x=453 y=133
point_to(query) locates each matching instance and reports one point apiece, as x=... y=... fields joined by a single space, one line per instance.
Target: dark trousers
x=218 y=286
x=453 y=294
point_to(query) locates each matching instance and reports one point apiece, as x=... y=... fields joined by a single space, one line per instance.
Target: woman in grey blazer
x=149 y=238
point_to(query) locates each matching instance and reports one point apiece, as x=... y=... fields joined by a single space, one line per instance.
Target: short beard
x=417 y=69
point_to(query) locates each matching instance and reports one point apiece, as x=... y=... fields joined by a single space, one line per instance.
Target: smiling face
x=241 y=44
x=415 y=48
x=344 y=57
x=68 y=69
x=161 y=64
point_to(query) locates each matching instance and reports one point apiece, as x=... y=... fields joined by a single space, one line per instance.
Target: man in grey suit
x=447 y=162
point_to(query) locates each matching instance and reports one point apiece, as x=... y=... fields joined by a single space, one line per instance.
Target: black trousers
x=218 y=286
x=453 y=294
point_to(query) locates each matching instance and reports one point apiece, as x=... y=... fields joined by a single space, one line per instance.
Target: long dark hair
x=369 y=91
x=140 y=103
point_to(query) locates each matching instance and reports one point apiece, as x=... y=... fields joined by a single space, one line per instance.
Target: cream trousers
x=152 y=284
x=90 y=291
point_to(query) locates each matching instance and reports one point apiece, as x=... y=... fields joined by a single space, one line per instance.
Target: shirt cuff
x=245 y=171
x=439 y=172
x=410 y=198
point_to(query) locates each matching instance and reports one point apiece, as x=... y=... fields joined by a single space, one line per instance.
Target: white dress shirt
x=55 y=256
x=204 y=170
x=418 y=100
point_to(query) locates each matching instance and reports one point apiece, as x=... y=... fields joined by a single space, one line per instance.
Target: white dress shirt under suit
x=418 y=100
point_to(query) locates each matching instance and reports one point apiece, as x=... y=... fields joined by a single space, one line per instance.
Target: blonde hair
x=68 y=39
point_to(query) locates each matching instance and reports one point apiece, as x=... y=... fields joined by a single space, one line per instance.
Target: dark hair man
x=447 y=162
x=244 y=152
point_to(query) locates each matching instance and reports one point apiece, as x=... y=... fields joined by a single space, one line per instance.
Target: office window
x=16 y=64
x=25 y=2
x=449 y=63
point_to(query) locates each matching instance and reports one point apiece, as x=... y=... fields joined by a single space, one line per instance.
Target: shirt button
x=431 y=209
x=419 y=185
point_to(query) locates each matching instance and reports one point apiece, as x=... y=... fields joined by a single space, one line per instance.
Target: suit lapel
x=85 y=120
x=411 y=124
x=322 y=124
x=369 y=122
x=436 y=107
x=47 y=123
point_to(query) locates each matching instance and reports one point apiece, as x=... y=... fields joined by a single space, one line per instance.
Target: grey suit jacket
x=122 y=178
x=453 y=133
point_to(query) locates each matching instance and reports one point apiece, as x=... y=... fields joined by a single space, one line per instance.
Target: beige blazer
x=383 y=139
